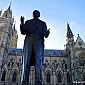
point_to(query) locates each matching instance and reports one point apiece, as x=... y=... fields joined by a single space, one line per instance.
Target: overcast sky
x=56 y=13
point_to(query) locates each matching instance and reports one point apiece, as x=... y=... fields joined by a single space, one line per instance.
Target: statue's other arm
x=46 y=32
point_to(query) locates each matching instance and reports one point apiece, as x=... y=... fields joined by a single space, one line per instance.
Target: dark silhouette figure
x=33 y=50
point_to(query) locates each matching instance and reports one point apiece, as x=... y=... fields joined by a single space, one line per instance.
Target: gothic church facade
x=60 y=67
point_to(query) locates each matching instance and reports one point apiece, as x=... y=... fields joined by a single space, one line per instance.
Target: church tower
x=8 y=35
x=70 y=50
x=12 y=31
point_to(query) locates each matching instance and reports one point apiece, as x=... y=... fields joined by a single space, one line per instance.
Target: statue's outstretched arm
x=46 y=32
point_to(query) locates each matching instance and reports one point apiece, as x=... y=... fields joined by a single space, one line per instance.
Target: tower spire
x=69 y=32
x=8 y=12
x=9 y=6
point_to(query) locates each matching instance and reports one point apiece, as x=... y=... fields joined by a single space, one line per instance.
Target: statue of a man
x=33 y=50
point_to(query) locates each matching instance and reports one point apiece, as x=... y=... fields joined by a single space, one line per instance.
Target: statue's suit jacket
x=36 y=30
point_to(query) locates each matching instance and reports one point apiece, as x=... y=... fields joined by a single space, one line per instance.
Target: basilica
x=60 y=67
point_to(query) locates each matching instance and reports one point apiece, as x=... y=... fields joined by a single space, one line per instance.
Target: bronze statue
x=33 y=50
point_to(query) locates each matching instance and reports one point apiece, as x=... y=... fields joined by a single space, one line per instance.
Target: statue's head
x=36 y=14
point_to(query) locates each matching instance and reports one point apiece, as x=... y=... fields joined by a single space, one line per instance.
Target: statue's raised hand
x=48 y=31
x=22 y=20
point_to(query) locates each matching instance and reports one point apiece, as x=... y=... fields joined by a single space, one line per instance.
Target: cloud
x=55 y=40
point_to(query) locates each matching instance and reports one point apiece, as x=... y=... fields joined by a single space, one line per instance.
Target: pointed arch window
x=3 y=76
x=14 y=77
x=68 y=77
x=9 y=64
x=6 y=15
x=66 y=66
x=48 y=77
x=59 y=78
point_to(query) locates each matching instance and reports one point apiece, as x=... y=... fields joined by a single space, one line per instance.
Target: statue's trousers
x=36 y=47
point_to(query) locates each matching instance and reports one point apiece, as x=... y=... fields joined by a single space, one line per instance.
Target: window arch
x=84 y=77
x=3 y=76
x=9 y=64
x=68 y=77
x=14 y=77
x=6 y=15
x=66 y=66
x=48 y=77
x=59 y=78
